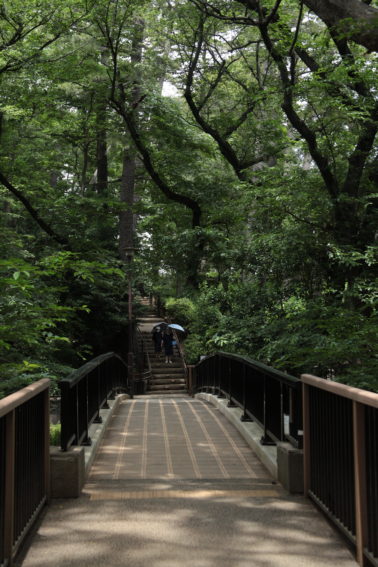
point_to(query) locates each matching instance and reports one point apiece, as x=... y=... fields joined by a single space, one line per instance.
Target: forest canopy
x=230 y=145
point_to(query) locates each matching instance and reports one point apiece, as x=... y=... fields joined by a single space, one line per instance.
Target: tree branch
x=357 y=159
x=224 y=147
x=214 y=12
x=351 y=18
x=147 y=161
x=288 y=107
x=33 y=212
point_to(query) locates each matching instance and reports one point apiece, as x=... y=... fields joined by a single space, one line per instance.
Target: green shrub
x=194 y=348
x=180 y=310
x=55 y=434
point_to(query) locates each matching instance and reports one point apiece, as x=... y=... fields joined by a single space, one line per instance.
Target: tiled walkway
x=177 y=438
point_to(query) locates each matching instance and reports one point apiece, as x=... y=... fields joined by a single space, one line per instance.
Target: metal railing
x=267 y=396
x=341 y=459
x=142 y=365
x=85 y=391
x=24 y=464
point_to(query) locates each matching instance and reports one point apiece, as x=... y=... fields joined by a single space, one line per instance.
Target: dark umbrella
x=162 y=324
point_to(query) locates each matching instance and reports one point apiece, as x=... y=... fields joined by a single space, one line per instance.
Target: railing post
x=77 y=414
x=104 y=381
x=64 y=404
x=113 y=383
x=296 y=415
x=10 y=422
x=282 y=418
x=189 y=386
x=230 y=404
x=306 y=439
x=87 y=440
x=244 y=416
x=265 y=439
x=360 y=479
x=220 y=369
x=46 y=465
x=98 y=418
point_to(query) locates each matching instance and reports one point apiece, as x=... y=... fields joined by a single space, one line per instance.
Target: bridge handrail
x=77 y=374
x=268 y=396
x=24 y=463
x=85 y=391
x=340 y=459
x=287 y=378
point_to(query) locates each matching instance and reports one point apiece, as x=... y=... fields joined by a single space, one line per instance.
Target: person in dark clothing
x=168 y=345
x=157 y=338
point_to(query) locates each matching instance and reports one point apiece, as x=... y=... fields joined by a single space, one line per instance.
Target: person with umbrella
x=157 y=338
x=168 y=345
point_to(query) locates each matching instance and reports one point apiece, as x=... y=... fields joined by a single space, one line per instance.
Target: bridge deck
x=174 y=485
x=170 y=439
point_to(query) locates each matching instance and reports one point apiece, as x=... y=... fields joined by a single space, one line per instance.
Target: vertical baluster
x=220 y=376
x=306 y=439
x=46 y=444
x=245 y=416
x=360 y=478
x=98 y=391
x=87 y=439
x=10 y=426
x=230 y=369
x=77 y=414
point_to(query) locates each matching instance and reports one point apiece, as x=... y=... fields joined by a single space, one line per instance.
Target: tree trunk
x=127 y=218
x=101 y=148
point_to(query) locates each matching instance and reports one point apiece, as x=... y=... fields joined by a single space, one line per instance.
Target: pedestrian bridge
x=243 y=470
x=175 y=484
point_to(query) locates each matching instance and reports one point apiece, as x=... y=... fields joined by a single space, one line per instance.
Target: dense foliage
x=232 y=145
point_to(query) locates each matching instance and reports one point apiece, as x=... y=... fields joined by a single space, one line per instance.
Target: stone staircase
x=165 y=378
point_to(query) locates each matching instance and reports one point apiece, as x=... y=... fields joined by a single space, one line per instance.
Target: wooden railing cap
x=9 y=403
x=350 y=392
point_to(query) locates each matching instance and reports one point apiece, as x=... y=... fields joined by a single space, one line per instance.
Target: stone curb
x=97 y=431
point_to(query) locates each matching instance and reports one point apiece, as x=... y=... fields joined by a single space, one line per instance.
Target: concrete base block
x=290 y=468
x=67 y=472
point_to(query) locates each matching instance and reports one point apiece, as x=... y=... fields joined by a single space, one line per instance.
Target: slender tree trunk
x=84 y=169
x=101 y=147
x=127 y=217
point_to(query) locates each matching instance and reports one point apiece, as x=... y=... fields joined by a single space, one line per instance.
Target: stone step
x=160 y=359
x=165 y=387
x=167 y=367
x=163 y=366
x=168 y=377
x=158 y=393
x=153 y=382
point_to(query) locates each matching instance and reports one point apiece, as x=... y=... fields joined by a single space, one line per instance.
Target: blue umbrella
x=177 y=327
